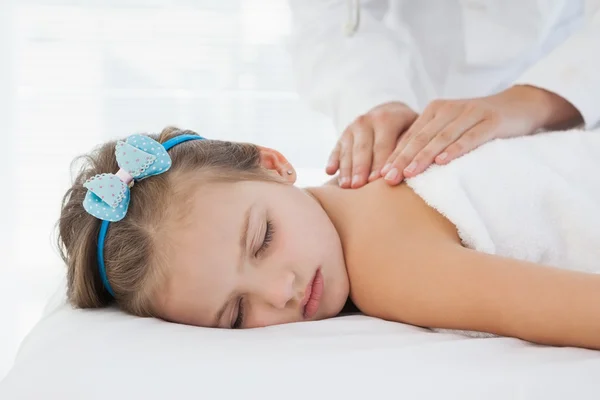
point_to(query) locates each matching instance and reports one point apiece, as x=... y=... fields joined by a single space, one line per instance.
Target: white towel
x=533 y=198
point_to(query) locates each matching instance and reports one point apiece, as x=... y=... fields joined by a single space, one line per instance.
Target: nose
x=277 y=289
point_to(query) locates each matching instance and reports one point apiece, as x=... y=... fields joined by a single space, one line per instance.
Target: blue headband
x=108 y=195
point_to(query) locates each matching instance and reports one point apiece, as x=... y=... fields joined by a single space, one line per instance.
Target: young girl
x=214 y=233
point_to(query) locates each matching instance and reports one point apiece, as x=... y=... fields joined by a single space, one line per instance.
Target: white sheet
x=75 y=354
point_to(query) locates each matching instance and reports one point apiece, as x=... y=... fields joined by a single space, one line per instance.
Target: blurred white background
x=74 y=73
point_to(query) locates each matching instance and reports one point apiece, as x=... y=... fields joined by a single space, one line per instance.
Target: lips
x=312 y=296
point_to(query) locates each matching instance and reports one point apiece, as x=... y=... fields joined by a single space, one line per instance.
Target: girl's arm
x=439 y=284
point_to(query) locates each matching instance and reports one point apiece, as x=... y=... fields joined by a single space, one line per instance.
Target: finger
x=444 y=138
x=384 y=143
x=333 y=163
x=345 y=160
x=430 y=113
x=416 y=127
x=404 y=163
x=422 y=121
x=470 y=140
x=394 y=175
x=386 y=139
x=362 y=154
x=374 y=175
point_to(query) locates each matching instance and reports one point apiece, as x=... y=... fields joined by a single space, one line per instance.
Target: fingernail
x=411 y=167
x=386 y=168
x=373 y=175
x=355 y=179
x=442 y=156
x=344 y=180
x=330 y=164
x=392 y=174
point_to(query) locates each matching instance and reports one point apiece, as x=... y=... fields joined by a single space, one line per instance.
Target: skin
x=364 y=146
x=409 y=266
x=392 y=141
x=209 y=268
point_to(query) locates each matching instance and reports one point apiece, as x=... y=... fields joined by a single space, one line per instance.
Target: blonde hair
x=133 y=260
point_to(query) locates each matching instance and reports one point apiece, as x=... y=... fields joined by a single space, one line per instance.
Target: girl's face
x=253 y=254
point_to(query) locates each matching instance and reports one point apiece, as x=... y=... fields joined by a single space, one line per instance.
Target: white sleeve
x=572 y=70
x=343 y=76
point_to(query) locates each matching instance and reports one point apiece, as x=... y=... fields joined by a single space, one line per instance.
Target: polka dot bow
x=108 y=194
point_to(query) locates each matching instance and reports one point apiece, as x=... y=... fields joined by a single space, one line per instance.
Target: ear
x=274 y=162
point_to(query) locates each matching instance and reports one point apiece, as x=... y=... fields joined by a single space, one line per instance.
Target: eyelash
x=239 y=321
x=267 y=239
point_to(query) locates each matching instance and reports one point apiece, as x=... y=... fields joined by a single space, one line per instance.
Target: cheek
x=293 y=244
x=302 y=226
x=303 y=235
x=309 y=236
x=262 y=317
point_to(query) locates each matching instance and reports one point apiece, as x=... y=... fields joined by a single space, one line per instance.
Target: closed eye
x=239 y=320
x=269 y=231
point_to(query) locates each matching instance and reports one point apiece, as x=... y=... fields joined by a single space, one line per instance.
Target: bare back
x=377 y=216
x=406 y=263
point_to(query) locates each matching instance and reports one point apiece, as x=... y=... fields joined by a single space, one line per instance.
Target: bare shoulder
x=391 y=223
x=380 y=206
x=406 y=264
x=379 y=223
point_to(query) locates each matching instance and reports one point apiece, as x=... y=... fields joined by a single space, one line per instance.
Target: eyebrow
x=243 y=240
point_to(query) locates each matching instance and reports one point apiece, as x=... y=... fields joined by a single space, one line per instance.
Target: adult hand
x=447 y=129
x=364 y=146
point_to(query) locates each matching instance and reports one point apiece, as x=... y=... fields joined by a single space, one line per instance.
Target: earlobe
x=275 y=162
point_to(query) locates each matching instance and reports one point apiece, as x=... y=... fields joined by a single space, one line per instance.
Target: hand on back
x=393 y=142
x=366 y=144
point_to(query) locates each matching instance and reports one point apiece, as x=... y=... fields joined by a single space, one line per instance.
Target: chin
x=337 y=303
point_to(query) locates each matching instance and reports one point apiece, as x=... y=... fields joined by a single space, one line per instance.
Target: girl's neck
x=336 y=202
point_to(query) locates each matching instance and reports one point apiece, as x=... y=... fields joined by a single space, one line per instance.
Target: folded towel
x=534 y=198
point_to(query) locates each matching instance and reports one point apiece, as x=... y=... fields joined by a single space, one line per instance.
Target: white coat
x=352 y=55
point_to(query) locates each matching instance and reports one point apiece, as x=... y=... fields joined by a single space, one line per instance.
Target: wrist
x=548 y=110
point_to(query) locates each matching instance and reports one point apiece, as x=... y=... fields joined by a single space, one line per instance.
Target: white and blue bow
x=108 y=194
